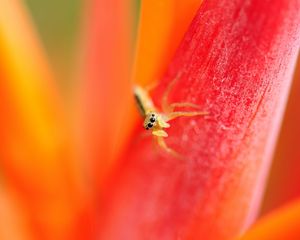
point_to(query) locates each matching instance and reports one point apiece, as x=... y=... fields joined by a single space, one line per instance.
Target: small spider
x=156 y=121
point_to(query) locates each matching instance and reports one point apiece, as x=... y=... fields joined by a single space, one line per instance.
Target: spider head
x=150 y=120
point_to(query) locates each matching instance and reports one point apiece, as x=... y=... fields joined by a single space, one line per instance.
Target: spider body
x=153 y=119
x=157 y=121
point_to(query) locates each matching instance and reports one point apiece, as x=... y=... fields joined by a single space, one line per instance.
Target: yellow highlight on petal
x=28 y=78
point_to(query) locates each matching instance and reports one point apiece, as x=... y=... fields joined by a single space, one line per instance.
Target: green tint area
x=58 y=23
x=136 y=11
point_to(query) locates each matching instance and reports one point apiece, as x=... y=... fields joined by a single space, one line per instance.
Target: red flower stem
x=236 y=62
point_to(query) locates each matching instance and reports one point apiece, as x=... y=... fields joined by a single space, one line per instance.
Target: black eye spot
x=153 y=115
x=150 y=125
x=152 y=120
x=147 y=128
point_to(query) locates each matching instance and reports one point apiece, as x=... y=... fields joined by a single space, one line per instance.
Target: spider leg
x=151 y=86
x=174 y=115
x=183 y=104
x=164 y=102
x=159 y=133
x=161 y=142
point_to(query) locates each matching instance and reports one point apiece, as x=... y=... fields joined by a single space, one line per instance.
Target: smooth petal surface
x=280 y=224
x=161 y=28
x=34 y=147
x=236 y=62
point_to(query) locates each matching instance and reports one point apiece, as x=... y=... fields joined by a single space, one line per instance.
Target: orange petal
x=280 y=224
x=284 y=184
x=162 y=26
x=34 y=149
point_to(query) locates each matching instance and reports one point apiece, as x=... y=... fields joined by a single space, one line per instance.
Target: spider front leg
x=172 y=106
x=160 y=135
x=161 y=142
x=164 y=104
x=151 y=86
x=173 y=115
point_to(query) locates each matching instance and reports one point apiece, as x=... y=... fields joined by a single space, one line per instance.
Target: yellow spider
x=156 y=121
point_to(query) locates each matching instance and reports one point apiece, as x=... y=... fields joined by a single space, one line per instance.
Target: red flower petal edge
x=236 y=62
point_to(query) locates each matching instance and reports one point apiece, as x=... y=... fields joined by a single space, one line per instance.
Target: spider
x=157 y=121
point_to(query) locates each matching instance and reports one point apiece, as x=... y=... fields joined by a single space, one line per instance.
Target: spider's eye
x=149 y=125
x=152 y=120
x=153 y=115
x=147 y=128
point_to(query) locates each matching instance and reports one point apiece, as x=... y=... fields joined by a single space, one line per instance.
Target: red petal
x=161 y=28
x=236 y=62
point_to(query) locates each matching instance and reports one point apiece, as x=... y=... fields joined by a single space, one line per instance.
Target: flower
x=89 y=175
